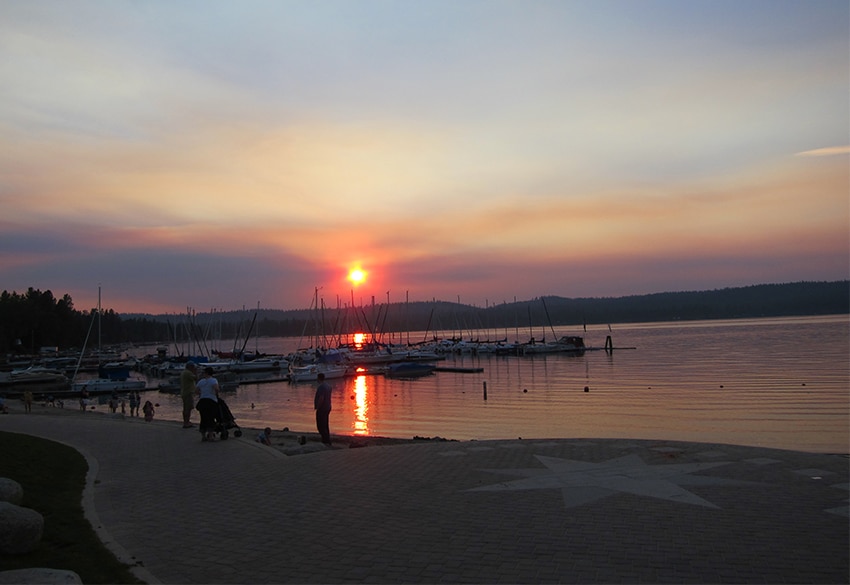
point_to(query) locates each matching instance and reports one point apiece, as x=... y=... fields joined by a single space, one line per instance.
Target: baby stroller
x=226 y=421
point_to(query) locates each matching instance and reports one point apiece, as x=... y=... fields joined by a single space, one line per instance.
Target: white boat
x=265 y=364
x=310 y=372
x=105 y=385
x=112 y=376
x=35 y=379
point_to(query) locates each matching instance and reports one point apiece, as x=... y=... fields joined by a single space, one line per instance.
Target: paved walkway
x=530 y=511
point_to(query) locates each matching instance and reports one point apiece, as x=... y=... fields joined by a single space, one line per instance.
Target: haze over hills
x=38 y=319
x=765 y=300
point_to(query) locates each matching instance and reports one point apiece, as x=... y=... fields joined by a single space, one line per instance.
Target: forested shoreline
x=36 y=319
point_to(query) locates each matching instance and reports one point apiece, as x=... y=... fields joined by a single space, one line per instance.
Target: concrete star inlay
x=582 y=482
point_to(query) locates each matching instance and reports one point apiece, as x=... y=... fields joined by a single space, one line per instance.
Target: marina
x=764 y=382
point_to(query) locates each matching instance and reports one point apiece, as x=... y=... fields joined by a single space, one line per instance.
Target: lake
x=775 y=382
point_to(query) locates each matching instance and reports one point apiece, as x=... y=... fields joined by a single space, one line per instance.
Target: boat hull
x=310 y=372
x=105 y=386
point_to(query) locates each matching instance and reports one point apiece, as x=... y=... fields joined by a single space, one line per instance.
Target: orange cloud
x=828 y=151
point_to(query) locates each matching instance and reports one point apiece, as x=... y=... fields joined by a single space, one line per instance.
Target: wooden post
x=485 y=390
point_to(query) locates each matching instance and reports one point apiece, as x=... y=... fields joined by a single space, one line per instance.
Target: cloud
x=828 y=151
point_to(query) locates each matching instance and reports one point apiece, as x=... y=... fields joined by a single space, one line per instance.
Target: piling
x=485 y=390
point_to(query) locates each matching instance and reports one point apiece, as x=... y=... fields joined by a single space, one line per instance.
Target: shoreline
x=287 y=441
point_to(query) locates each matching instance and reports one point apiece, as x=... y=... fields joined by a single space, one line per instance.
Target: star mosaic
x=582 y=482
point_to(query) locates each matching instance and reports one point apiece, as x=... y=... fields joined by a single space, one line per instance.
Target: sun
x=357 y=276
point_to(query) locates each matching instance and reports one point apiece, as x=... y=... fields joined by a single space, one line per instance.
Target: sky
x=216 y=155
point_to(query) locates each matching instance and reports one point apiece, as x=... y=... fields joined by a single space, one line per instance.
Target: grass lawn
x=53 y=477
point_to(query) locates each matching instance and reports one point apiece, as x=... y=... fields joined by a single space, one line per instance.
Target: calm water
x=780 y=383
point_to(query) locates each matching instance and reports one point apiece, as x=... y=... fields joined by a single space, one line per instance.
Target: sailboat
x=112 y=377
x=305 y=366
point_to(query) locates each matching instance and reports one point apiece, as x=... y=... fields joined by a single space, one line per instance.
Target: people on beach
x=27 y=401
x=188 y=379
x=322 y=404
x=134 y=403
x=148 y=410
x=265 y=437
x=208 y=389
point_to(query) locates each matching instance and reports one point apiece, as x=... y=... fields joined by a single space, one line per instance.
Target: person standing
x=134 y=404
x=322 y=404
x=27 y=401
x=208 y=404
x=187 y=392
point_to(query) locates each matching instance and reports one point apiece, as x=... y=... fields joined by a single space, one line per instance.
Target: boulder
x=40 y=576
x=11 y=491
x=20 y=529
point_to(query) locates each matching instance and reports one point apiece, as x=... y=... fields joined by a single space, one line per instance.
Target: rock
x=20 y=529
x=11 y=491
x=40 y=576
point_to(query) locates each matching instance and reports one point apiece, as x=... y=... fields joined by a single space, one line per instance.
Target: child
x=265 y=437
x=148 y=410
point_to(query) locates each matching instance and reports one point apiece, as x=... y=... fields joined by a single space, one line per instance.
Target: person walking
x=27 y=401
x=208 y=404
x=188 y=379
x=322 y=404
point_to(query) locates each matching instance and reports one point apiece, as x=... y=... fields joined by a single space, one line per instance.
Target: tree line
x=35 y=319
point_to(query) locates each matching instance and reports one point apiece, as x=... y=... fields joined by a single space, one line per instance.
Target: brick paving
x=514 y=511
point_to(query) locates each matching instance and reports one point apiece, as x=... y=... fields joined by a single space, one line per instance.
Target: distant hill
x=765 y=300
x=37 y=319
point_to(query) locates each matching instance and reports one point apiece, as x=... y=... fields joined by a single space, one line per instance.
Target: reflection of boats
x=409 y=370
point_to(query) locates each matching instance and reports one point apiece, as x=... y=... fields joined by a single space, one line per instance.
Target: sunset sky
x=221 y=154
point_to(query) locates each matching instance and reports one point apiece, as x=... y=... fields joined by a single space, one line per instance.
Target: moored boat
x=35 y=379
x=409 y=370
x=106 y=386
x=310 y=372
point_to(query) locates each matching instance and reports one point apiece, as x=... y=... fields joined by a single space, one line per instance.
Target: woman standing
x=208 y=404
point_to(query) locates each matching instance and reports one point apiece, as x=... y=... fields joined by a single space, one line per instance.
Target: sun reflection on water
x=361 y=407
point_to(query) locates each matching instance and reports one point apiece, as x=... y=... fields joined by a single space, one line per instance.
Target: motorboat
x=409 y=370
x=106 y=386
x=310 y=372
x=35 y=379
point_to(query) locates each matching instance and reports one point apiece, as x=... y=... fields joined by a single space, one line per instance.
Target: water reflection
x=361 y=406
x=776 y=382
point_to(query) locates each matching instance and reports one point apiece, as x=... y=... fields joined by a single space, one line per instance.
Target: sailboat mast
x=99 y=320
